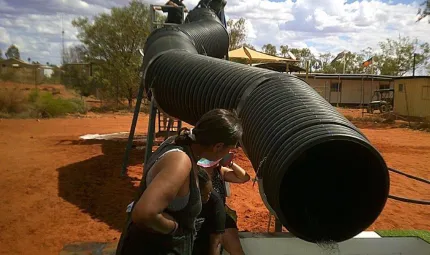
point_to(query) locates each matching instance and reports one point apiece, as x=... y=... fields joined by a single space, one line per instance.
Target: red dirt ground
x=55 y=189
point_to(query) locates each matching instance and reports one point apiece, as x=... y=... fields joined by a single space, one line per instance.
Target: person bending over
x=174 y=15
x=162 y=218
x=210 y=223
x=217 y=6
x=228 y=171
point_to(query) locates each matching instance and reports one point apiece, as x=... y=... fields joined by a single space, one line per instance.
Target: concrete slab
x=121 y=136
x=287 y=244
x=284 y=244
x=368 y=234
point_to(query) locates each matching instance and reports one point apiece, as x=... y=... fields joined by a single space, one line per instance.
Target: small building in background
x=412 y=96
x=348 y=89
x=47 y=71
x=411 y=93
x=16 y=70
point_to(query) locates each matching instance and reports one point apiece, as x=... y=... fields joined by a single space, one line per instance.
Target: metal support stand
x=153 y=110
x=132 y=129
x=278 y=225
x=151 y=131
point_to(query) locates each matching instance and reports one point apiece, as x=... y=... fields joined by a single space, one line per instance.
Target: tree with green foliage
x=325 y=60
x=13 y=52
x=284 y=50
x=237 y=33
x=397 y=56
x=113 y=40
x=305 y=55
x=269 y=49
x=353 y=63
x=1 y=55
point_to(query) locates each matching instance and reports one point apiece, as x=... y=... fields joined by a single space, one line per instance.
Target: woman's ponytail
x=185 y=137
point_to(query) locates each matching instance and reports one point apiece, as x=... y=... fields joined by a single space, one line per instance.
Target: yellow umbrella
x=254 y=56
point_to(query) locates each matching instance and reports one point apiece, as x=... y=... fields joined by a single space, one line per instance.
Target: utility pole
x=344 y=63
x=62 y=40
x=413 y=67
x=307 y=69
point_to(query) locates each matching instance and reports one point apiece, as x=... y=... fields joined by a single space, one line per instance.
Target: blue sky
x=322 y=25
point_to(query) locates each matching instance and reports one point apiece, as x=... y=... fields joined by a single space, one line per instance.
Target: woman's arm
x=235 y=174
x=214 y=244
x=217 y=224
x=172 y=172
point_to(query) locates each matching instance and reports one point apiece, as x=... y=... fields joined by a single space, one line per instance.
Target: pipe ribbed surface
x=320 y=174
x=205 y=35
x=210 y=39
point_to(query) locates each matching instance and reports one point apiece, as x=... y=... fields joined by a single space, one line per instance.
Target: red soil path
x=55 y=189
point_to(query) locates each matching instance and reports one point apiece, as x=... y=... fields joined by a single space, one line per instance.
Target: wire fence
x=30 y=75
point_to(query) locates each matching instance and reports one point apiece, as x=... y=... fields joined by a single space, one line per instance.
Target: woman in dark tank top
x=167 y=204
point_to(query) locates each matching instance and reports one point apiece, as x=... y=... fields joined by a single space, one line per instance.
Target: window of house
x=384 y=86
x=426 y=92
x=401 y=88
x=336 y=87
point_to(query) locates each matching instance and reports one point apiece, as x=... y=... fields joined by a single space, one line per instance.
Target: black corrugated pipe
x=203 y=34
x=317 y=172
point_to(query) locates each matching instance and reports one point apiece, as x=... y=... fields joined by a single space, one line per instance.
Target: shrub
x=47 y=106
x=33 y=96
x=12 y=101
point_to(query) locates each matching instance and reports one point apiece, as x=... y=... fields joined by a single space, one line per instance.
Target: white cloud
x=250 y=31
x=4 y=36
x=321 y=25
x=329 y=25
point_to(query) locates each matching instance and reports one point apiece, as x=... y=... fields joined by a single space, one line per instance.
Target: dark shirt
x=218 y=184
x=211 y=220
x=174 y=15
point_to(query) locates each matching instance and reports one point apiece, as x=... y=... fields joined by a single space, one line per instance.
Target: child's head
x=205 y=184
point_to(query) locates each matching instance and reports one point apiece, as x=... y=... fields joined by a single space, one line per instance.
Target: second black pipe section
x=320 y=174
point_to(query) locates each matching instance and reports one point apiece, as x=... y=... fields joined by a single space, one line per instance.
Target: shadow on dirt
x=95 y=184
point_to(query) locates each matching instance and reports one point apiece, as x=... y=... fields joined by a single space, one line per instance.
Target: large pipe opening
x=333 y=191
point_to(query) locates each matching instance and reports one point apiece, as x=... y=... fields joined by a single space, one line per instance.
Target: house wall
x=351 y=91
x=412 y=97
x=18 y=71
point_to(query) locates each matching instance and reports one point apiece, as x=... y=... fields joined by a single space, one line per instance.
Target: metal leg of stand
x=278 y=225
x=151 y=131
x=132 y=130
x=159 y=120
x=169 y=126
